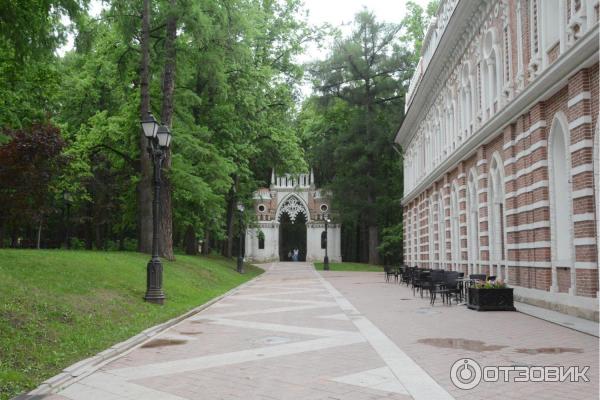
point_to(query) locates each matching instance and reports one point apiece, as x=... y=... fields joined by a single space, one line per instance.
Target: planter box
x=491 y=299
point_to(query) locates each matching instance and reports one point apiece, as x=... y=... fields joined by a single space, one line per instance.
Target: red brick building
x=501 y=148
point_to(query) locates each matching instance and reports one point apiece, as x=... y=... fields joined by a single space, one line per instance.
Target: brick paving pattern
x=296 y=334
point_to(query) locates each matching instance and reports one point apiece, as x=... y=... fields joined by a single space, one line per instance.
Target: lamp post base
x=240 y=265
x=154 y=292
x=326 y=263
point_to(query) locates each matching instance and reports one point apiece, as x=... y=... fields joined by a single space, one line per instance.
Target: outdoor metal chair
x=436 y=285
x=452 y=287
x=389 y=271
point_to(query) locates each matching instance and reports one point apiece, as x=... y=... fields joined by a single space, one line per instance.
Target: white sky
x=341 y=12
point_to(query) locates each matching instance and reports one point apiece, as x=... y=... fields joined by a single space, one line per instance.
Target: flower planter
x=491 y=299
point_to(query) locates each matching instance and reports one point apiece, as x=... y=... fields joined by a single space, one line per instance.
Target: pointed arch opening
x=455 y=227
x=497 y=217
x=473 y=222
x=561 y=220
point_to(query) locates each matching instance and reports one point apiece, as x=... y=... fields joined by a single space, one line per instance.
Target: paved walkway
x=291 y=334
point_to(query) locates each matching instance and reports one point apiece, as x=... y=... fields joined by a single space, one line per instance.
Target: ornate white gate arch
x=292 y=195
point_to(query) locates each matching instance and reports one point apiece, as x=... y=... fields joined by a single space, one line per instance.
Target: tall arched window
x=466 y=103
x=560 y=196
x=454 y=221
x=441 y=230
x=430 y=232
x=473 y=223
x=492 y=78
x=496 y=217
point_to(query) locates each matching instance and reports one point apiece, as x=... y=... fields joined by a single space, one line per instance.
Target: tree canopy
x=224 y=76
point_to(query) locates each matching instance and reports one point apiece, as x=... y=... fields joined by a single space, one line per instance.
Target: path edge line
x=87 y=366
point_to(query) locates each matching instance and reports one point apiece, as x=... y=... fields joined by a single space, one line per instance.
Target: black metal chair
x=436 y=284
x=452 y=287
x=420 y=277
x=390 y=271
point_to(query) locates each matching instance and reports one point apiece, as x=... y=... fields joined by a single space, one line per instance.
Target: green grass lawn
x=58 y=307
x=348 y=266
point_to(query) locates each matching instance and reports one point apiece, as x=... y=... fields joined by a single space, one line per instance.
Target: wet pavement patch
x=191 y=333
x=163 y=342
x=550 y=350
x=463 y=344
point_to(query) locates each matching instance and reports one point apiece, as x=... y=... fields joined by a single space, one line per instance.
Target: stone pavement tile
x=435 y=337
x=274 y=339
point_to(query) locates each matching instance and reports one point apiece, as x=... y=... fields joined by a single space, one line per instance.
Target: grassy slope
x=348 y=266
x=58 y=307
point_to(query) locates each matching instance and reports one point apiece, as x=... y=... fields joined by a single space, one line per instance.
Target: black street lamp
x=326 y=260
x=68 y=201
x=159 y=139
x=240 y=260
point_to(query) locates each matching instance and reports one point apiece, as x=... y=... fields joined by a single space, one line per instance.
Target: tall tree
x=366 y=71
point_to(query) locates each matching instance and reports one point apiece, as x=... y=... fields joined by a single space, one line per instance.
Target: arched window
x=261 y=240
x=473 y=223
x=441 y=229
x=492 y=78
x=560 y=195
x=496 y=217
x=550 y=24
x=430 y=231
x=454 y=221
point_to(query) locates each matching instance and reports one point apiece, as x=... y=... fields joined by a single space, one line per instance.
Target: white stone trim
x=528 y=207
x=527 y=189
x=586 y=241
x=582 y=144
x=554 y=298
x=589 y=167
x=586 y=264
x=529 y=245
x=579 y=97
x=583 y=217
x=525 y=134
x=528 y=170
x=529 y=264
x=583 y=193
x=481 y=162
x=528 y=227
x=584 y=119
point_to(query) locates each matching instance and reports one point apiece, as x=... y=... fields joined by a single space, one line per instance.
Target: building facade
x=501 y=148
x=291 y=215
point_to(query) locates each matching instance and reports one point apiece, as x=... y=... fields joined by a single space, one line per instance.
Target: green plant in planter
x=499 y=284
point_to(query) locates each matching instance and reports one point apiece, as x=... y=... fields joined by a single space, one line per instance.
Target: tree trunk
x=191 y=244
x=373 y=244
x=231 y=199
x=39 y=235
x=2 y=230
x=168 y=88
x=229 y=241
x=144 y=188
x=364 y=241
x=206 y=243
